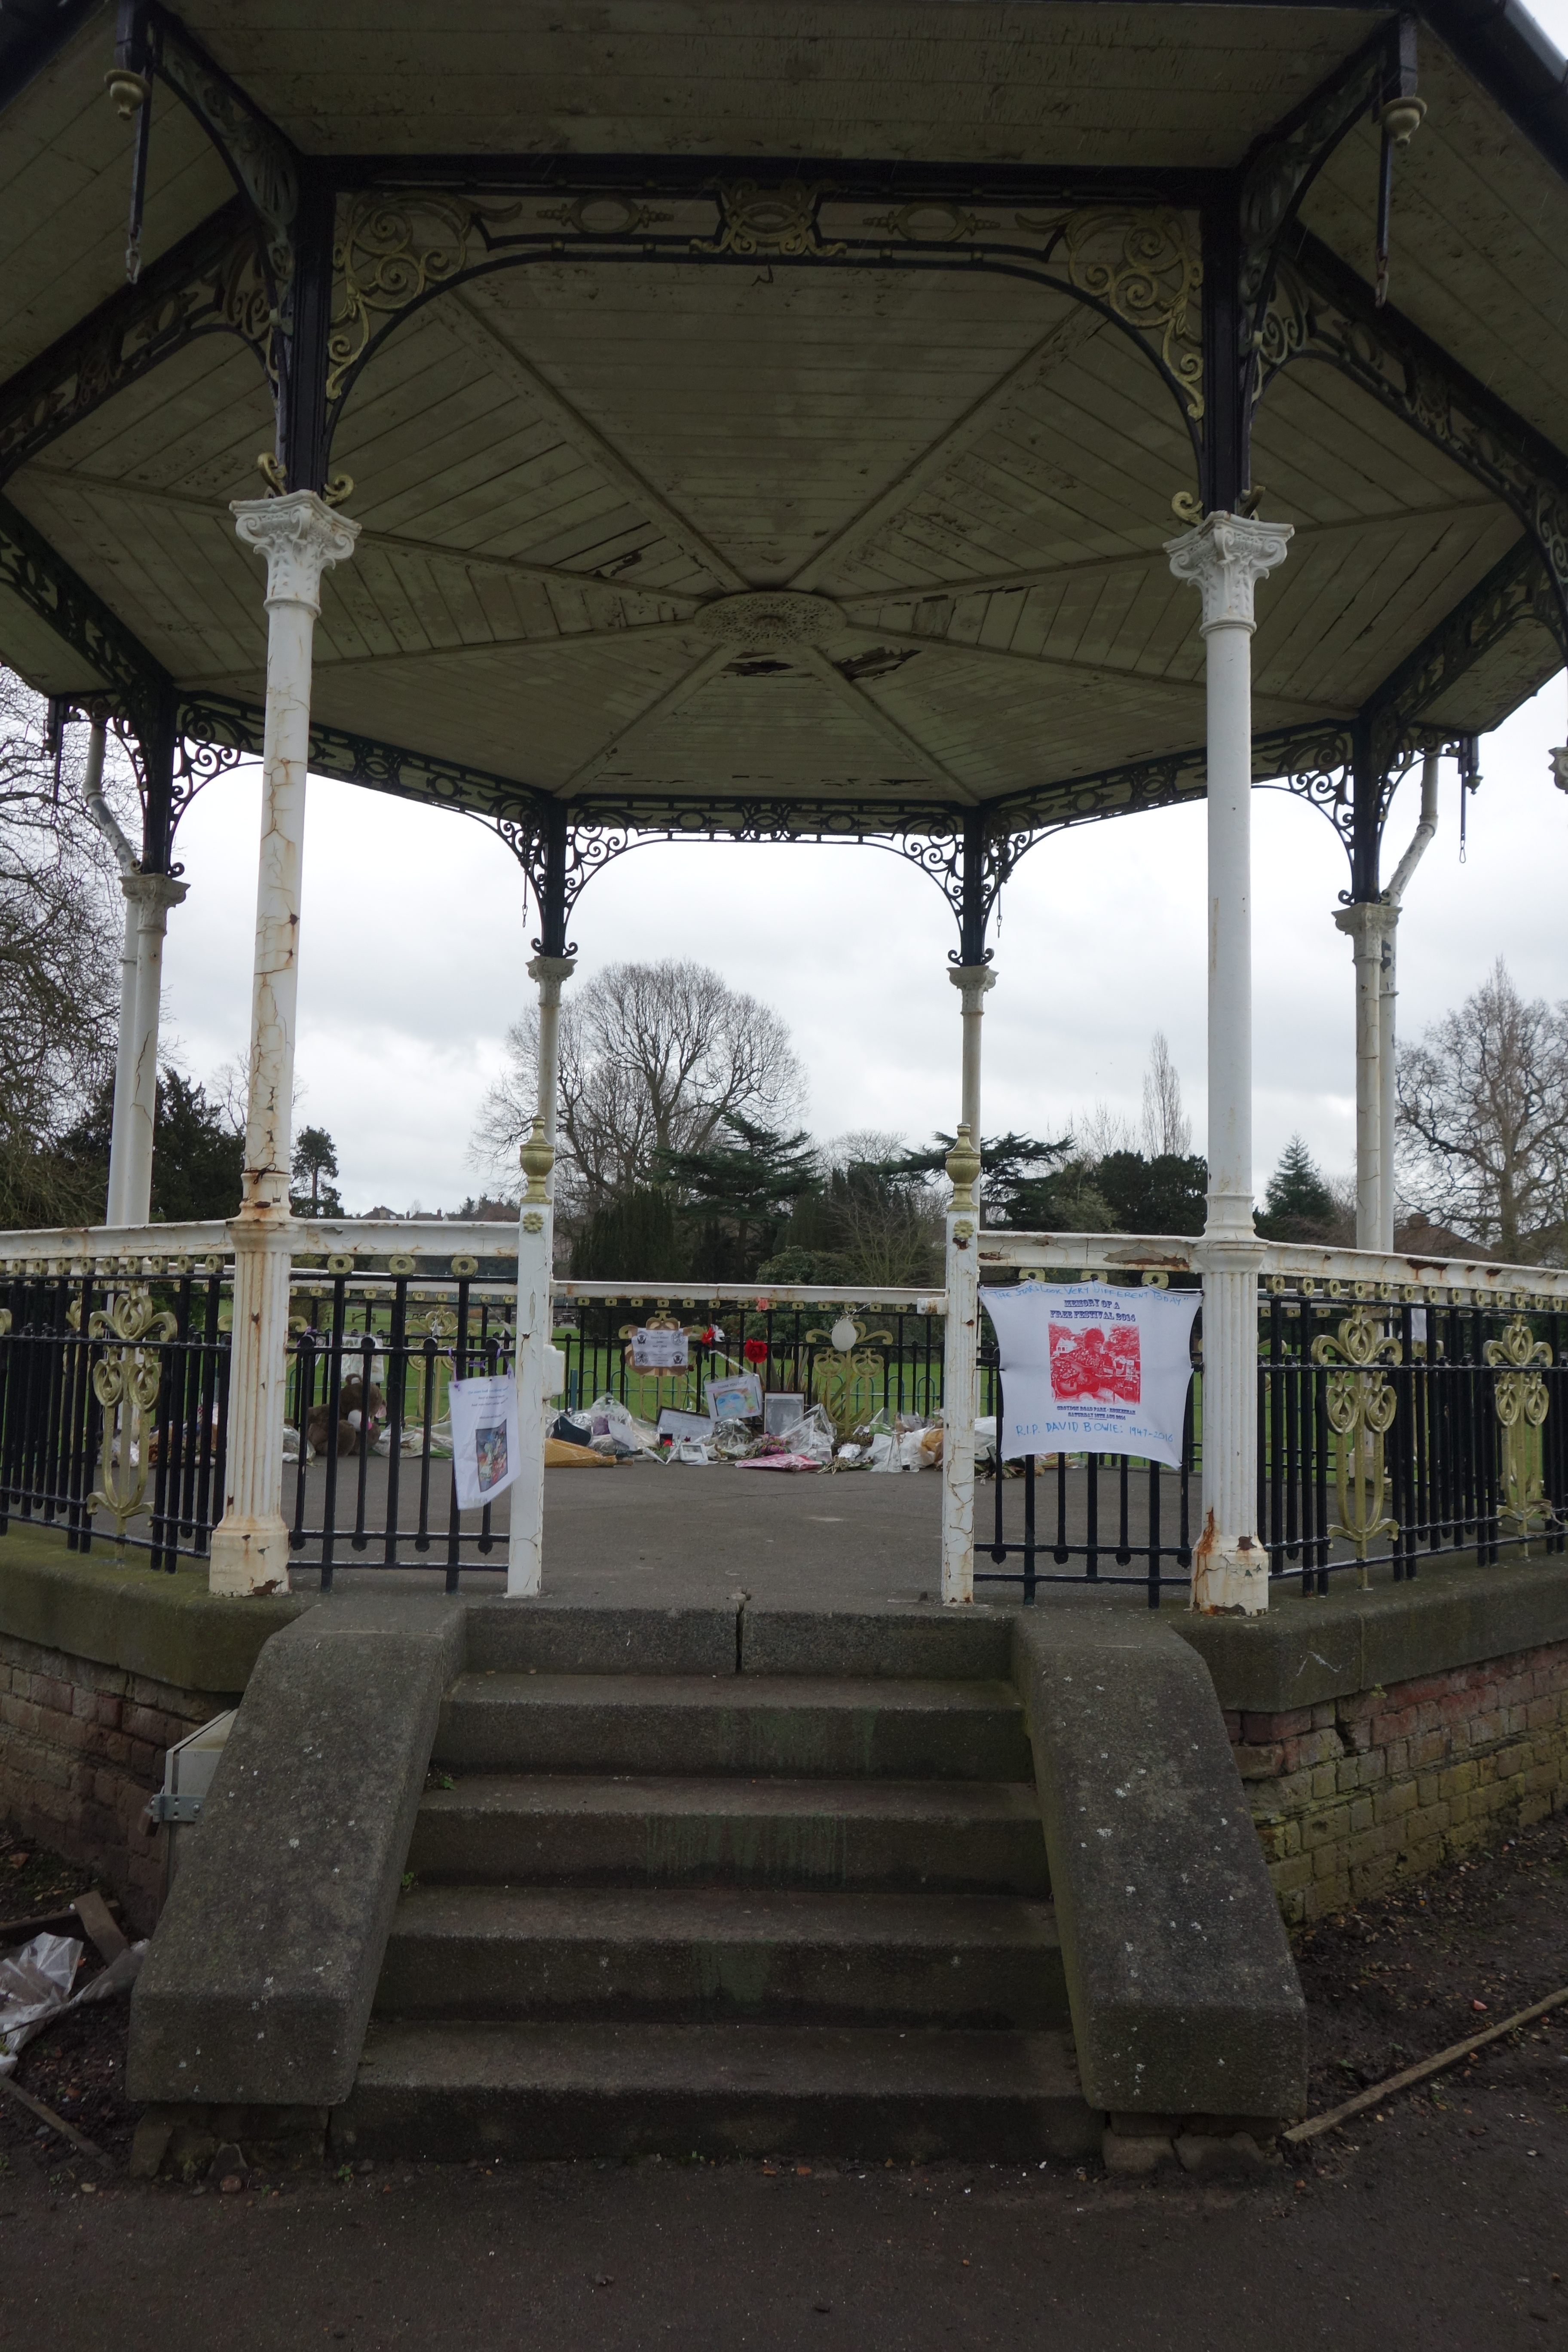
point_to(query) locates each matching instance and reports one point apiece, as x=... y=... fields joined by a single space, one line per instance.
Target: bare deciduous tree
x=61 y=919
x=1102 y=1131
x=1167 y=1127
x=652 y=1058
x=1483 y=1121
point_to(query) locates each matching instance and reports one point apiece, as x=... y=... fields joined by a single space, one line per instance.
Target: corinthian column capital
x=972 y=981
x=1224 y=558
x=299 y=535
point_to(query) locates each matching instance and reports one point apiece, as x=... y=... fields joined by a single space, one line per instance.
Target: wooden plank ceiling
x=566 y=475
x=569 y=476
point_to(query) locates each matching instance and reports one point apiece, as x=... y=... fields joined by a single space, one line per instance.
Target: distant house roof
x=1419 y=1237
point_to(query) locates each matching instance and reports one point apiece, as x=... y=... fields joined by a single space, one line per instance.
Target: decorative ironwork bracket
x=1320 y=311
x=213 y=281
x=1282 y=166
x=263 y=163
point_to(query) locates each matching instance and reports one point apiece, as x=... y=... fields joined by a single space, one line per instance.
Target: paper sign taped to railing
x=485 y=1454
x=657 y=1349
x=1087 y=1368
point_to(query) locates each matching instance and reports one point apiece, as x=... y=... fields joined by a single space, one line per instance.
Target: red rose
x=756 y=1351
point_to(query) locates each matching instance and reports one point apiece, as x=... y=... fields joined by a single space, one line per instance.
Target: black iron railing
x=1384 y=1434
x=1434 y=1478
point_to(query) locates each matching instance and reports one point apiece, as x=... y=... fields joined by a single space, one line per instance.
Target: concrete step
x=447 y=2092
x=683 y=1954
x=946 y=1836
x=791 y=1726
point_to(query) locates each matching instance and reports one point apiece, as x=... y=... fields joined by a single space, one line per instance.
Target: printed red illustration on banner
x=1090 y=1361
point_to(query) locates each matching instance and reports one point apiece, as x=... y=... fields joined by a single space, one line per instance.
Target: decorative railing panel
x=1407 y=1408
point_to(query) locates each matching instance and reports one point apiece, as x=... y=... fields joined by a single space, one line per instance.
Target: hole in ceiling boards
x=876 y=662
x=757 y=666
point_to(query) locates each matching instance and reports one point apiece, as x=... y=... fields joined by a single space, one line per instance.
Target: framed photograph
x=782 y=1408
x=673 y=1423
x=737 y=1398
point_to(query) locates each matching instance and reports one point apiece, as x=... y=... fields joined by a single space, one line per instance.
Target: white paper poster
x=1090 y=1368
x=655 y=1349
x=485 y=1453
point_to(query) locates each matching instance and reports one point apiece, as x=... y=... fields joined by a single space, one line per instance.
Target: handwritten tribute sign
x=1087 y=1368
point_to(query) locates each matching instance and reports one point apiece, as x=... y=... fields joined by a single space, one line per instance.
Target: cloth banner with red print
x=1088 y=1367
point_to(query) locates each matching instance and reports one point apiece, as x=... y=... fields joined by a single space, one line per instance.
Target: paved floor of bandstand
x=678 y=1534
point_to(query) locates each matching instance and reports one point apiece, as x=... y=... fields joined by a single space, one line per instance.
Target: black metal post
x=1367 y=787
x=302 y=419
x=973 y=909
x=550 y=883
x=1226 y=462
x=160 y=744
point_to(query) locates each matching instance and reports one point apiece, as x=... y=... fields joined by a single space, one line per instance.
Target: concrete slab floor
x=690 y=1535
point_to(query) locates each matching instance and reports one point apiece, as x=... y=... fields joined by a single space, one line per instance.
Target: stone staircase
x=719 y=1914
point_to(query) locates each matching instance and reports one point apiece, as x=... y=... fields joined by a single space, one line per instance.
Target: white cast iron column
x=149 y=897
x=535 y=1254
x=300 y=536
x=974 y=983
x=1224 y=558
x=108 y=823
x=1368 y=927
x=960 y=1374
x=1393 y=900
x=550 y=971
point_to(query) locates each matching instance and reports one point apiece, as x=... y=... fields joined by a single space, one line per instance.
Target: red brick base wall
x=1387 y=1784
x=81 y=1751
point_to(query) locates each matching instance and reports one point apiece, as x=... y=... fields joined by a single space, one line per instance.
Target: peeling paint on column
x=300 y=536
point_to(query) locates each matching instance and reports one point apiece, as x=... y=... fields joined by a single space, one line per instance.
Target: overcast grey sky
x=414 y=944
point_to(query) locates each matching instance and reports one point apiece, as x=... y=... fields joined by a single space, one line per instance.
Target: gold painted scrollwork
x=844 y=1380
x=931 y=221
x=125 y=1381
x=762 y=221
x=1522 y=1403
x=1146 y=268
x=1361 y=1404
x=390 y=253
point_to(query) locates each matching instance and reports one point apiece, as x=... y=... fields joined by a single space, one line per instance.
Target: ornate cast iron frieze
x=223 y=731
x=1320 y=311
x=1516 y=590
x=264 y=163
x=46 y=582
x=212 y=283
x=1138 y=262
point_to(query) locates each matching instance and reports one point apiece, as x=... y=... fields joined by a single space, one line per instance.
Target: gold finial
x=537 y=1157
x=963 y=1168
x=1399 y=119
x=127 y=88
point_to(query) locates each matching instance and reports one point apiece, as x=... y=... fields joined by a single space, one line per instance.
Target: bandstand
x=923 y=424
x=877 y=428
